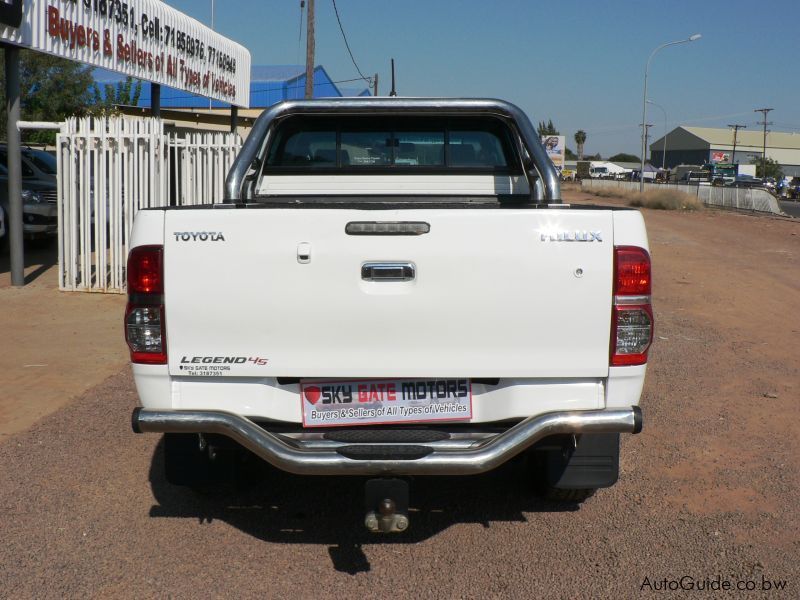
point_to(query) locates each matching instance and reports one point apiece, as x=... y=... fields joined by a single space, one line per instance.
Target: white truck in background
x=391 y=288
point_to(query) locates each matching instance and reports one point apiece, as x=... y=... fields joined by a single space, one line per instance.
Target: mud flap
x=592 y=461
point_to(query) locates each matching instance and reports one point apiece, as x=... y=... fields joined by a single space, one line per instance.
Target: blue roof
x=269 y=84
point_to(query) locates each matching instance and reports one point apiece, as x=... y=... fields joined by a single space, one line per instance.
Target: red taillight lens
x=632 y=313
x=631 y=271
x=145 y=270
x=145 y=330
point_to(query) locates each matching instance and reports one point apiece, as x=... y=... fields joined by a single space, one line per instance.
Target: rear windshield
x=402 y=145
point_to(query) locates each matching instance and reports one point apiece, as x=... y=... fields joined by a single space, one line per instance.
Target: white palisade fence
x=111 y=168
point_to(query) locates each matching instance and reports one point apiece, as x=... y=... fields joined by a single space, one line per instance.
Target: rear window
x=403 y=145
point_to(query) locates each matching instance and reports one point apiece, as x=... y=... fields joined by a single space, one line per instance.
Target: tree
x=125 y=93
x=623 y=157
x=580 y=140
x=773 y=168
x=547 y=128
x=569 y=154
x=51 y=89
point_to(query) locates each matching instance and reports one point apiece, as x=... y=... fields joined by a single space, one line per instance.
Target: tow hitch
x=386 y=502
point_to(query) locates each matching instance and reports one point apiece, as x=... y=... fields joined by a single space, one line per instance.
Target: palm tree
x=580 y=140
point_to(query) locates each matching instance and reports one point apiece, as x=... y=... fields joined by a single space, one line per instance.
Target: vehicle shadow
x=283 y=508
x=41 y=254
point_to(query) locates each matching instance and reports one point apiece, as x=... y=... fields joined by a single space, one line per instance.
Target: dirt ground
x=707 y=494
x=55 y=345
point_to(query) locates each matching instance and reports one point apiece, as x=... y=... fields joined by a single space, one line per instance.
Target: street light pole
x=664 y=151
x=691 y=38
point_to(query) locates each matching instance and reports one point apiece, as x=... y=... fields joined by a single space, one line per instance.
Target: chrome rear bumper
x=296 y=456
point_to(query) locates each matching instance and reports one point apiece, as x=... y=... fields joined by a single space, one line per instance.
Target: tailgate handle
x=386 y=271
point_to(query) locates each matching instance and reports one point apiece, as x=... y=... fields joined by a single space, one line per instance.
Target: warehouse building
x=699 y=145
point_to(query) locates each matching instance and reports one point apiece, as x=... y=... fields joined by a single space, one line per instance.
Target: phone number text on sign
x=370 y=402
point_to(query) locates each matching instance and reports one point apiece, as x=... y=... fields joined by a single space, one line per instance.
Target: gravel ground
x=709 y=489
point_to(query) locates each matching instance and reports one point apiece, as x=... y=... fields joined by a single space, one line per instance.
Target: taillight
x=145 y=330
x=145 y=270
x=632 y=317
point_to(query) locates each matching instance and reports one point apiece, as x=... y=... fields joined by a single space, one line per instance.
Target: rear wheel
x=200 y=462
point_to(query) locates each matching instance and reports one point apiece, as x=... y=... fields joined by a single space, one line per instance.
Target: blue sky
x=579 y=63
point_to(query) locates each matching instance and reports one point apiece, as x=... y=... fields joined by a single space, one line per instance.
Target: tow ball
x=386 y=502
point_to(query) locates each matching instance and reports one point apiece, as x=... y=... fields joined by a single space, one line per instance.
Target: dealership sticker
x=384 y=401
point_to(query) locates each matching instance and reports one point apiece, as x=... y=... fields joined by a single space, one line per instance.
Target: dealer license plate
x=381 y=401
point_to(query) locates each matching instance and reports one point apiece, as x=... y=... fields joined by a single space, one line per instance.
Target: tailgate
x=495 y=293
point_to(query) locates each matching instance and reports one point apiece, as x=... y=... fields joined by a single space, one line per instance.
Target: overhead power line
x=350 y=52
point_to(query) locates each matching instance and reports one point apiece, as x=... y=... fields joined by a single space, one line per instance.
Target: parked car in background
x=793 y=188
x=36 y=164
x=43 y=163
x=39 y=209
x=696 y=178
x=746 y=181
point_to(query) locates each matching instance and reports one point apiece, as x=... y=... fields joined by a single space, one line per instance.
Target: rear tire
x=186 y=464
x=219 y=462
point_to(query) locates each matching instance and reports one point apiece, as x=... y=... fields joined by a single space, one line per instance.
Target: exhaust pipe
x=291 y=455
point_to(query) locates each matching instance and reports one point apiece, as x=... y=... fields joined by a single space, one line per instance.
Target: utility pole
x=394 y=91
x=375 y=85
x=14 y=217
x=765 y=111
x=736 y=129
x=310 y=51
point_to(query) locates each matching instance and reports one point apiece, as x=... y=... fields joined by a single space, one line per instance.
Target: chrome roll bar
x=252 y=152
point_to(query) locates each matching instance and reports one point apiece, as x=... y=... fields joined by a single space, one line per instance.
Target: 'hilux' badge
x=571 y=236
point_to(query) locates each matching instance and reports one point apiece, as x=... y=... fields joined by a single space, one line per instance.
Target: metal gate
x=108 y=170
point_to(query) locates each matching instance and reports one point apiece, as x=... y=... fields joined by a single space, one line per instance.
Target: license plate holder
x=356 y=402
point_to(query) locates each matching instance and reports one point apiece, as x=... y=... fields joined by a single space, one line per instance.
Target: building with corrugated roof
x=698 y=145
x=269 y=84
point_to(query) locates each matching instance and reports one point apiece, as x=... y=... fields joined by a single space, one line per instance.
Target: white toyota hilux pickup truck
x=392 y=287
